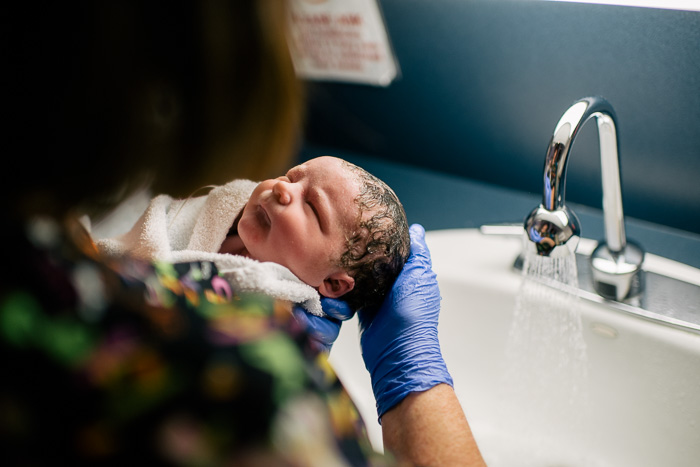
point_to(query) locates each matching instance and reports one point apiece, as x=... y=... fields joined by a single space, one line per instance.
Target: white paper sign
x=341 y=40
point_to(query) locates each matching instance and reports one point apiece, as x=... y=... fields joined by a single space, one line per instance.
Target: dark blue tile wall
x=484 y=82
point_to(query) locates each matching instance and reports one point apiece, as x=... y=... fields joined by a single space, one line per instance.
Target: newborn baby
x=338 y=229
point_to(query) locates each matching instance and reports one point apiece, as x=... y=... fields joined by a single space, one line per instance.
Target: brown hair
x=115 y=95
x=379 y=247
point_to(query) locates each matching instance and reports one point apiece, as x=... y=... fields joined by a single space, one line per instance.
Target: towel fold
x=193 y=230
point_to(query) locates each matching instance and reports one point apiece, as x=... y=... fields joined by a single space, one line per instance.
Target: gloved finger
x=415 y=290
x=325 y=330
x=419 y=249
x=365 y=316
x=337 y=309
x=417 y=274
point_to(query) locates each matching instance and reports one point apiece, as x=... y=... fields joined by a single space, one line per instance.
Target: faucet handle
x=617 y=274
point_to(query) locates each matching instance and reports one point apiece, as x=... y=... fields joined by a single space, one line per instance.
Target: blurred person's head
x=112 y=96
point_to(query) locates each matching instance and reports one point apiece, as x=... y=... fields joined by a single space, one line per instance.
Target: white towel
x=193 y=230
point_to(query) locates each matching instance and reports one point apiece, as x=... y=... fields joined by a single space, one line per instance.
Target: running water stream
x=545 y=375
x=545 y=343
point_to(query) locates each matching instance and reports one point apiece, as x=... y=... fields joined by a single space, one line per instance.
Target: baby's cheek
x=248 y=232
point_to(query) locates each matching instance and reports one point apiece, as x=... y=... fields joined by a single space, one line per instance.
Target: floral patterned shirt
x=123 y=361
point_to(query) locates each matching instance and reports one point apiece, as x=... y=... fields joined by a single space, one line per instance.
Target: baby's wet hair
x=379 y=245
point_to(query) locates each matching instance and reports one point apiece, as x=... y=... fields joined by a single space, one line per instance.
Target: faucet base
x=656 y=297
x=662 y=299
x=617 y=275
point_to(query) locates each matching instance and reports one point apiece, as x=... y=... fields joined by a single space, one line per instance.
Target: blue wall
x=485 y=81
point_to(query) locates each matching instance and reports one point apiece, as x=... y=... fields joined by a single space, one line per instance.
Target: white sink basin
x=633 y=401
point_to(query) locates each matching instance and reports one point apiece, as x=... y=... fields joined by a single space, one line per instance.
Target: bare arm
x=429 y=428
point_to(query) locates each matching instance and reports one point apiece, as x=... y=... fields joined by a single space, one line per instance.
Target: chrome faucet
x=553 y=229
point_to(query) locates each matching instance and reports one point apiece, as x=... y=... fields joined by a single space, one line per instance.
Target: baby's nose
x=283 y=191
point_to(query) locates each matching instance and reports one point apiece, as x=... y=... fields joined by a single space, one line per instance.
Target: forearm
x=429 y=428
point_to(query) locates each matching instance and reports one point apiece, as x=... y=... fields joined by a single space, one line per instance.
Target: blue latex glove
x=325 y=330
x=400 y=344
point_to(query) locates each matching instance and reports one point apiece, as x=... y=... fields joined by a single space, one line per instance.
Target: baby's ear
x=336 y=285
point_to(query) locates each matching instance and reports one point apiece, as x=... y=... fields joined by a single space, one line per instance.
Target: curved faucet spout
x=552 y=225
x=557 y=156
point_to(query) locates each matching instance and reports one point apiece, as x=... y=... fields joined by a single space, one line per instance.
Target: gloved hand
x=400 y=344
x=325 y=330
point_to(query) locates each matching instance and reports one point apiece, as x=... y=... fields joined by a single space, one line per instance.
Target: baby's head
x=334 y=225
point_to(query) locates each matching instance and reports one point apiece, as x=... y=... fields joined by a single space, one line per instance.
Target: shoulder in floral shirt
x=129 y=361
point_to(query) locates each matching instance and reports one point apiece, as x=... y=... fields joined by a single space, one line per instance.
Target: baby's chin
x=311 y=281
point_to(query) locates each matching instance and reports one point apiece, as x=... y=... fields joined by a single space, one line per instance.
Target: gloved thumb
x=337 y=309
x=322 y=329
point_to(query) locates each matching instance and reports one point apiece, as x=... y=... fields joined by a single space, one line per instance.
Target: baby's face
x=300 y=220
